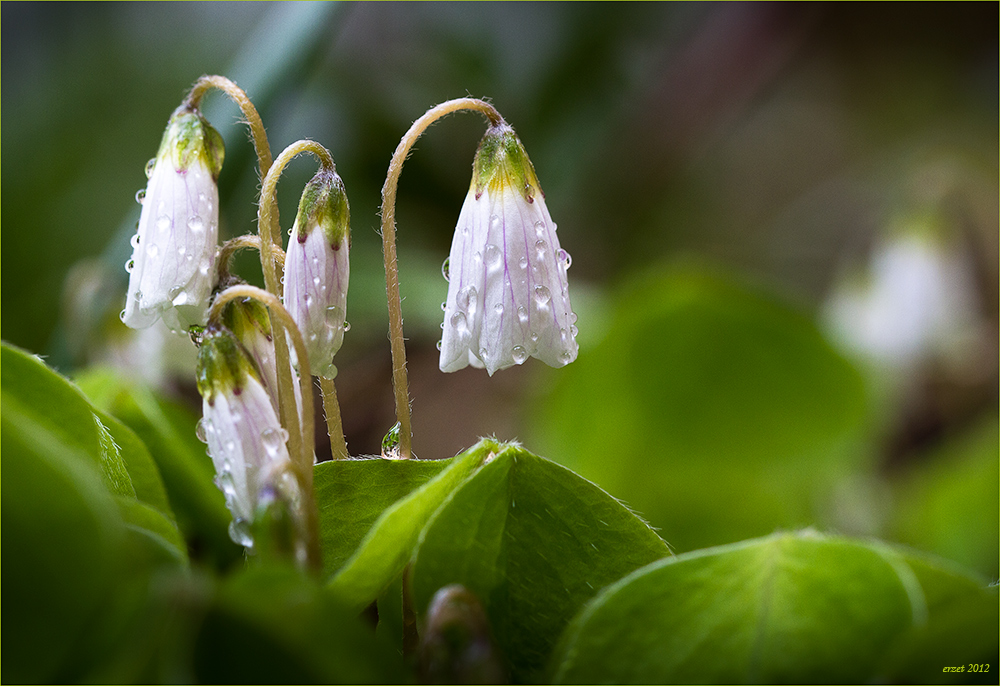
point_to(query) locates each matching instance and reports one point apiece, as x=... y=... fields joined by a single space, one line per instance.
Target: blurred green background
x=782 y=217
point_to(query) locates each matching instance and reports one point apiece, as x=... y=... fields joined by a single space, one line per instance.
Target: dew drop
x=494 y=221
x=199 y=430
x=444 y=269
x=540 y=247
x=140 y=195
x=135 y=241
x=390 y=443
x=163 y=223
x=564 y=258
x=150 y=166
x=523 y=263
x=466 y=300
x=522 y=314
x=519 y=354
x=316 y=281
x=439 y=343
x=459 y=323
x=273 y=442
x=347 y=327
x=129 y=266
x=121 y=315
x=533 y=337
x=565 y=357
x=498 y=308
x=542 y=295
x=573 y=331
x=540 y=227
x=444 y=307
x=196 y=224
x=153 y=251
x=493 y=256
x=308 y=299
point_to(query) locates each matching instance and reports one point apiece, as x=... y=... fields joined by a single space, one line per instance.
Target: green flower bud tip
x=324 y=204
x=247 y=317
x=501 y=161
x=223 y=365
x=189 y=137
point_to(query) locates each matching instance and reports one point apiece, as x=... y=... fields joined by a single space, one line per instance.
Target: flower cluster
x=508 y=296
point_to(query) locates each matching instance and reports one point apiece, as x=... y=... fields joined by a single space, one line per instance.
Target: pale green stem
x=268 y=210
x=302 y=449
x=230 y=247
x=334 y=427
x=399 y=381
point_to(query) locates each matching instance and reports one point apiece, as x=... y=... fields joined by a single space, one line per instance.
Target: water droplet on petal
x=121 y=315
x=153 y=251
x=444 y=306
x=523 y=263
x=565 y=357
x=493 y=256
x=129 y=266
x=347 y=327
x=439 y=343
x=534 y=337
x=494 y=221
x=199 y=430
x=140 y=195
x=522 y=314
x=498 y=308
x=460 y=324
x=519 y=354
x=540 y=227
x=135 y=241
x=196 y=224
x=150 y=166
x=444 y=269
x=163 y=223
x=390 y=443
x=273 y=442
x=540 y=247
x=466 y=300
x=542 y=296
x=564 y=258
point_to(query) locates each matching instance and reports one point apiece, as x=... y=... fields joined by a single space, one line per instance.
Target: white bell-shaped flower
x=245 y=438
x=172 y=268
x=508 y=296
x=317 y=269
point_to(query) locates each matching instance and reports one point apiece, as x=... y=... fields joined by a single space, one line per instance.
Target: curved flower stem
x=389 y=252
x=300 y=441
x=230 y=248
x=334 y=427
x=267 y=215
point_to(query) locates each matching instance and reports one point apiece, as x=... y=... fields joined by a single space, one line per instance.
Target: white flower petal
x=315 y=294
x=173 y=262
x=508 y=296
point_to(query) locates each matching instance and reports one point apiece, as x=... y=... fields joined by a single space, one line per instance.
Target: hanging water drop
x=150 y=166
x=273 y=442
x=129 y=266
x=140 y=195
x=439 y=343
x=135 y=241
x=199 y=430
x=347 y=326
x=542 y=296
x=565 y=259
x=444 y=269
x=519 y=354
x=390 y=443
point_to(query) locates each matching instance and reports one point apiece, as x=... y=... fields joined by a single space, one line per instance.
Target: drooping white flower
x=317 y=269
x=508 y=296
x=245 y=438
x=172 y=268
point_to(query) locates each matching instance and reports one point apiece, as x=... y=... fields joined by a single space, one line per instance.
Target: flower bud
x=245 y=438
x=508 y=296
x=317 y=269
x=172 y=268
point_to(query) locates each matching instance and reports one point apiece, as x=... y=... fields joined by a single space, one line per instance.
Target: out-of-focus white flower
x=508 y=295
x=172 y=265
x=317 y=269
x=916 y=300
x=245 y=438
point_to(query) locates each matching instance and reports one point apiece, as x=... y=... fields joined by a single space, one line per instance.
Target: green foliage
x=724 y=410
x=534 y=542
x=788 y=608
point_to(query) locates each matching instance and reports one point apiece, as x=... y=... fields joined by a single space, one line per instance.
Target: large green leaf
x=715 y=410
x=62 y=536
x=534 y=542
x=390 y=542
x=352 y=494
x=169 y=431
x=796 y=607
x=57 y=415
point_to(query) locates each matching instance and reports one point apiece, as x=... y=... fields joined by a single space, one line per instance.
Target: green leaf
x=62 y=536
x=275 y=625
x=352 y=494
x=948 y=503
x=169 y=431
x=715 y=410
x=797 y=607
x=390 y=542
x=534 y=542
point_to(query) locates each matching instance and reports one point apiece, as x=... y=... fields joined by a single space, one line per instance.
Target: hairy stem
x=233 y=245
x=334 y=427
x=399 y=380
